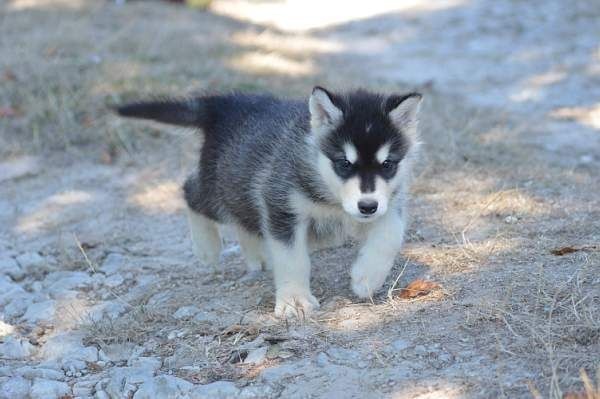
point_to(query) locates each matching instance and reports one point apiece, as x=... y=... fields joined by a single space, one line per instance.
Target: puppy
x=292 y=174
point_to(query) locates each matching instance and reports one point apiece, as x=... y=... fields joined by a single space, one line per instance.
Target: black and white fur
x=290 y=175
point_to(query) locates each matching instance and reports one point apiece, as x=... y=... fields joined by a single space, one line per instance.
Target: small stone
x=152 y=363
x=39 y=372
x=216 y=390
x=48 y=389
x=18 y=306
x=322 y=359
x=114 y=280
x=257 y=356
x=101 y=395
x=15 y=387
x=5 y=329
x=511 y=219
x=8 y=289
x=420 y=350
x=186 y=312
x=19 y=168
x=113 y=263
x=31 y=261
x=10 y=267
x=41 y=311
x=15 y=348
x=205 y=317
x=400 y=345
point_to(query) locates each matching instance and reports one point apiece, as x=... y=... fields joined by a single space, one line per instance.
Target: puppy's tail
x=187 y=112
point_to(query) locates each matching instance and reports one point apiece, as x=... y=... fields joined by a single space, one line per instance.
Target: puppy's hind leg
x=253 y=250
x=206 y=240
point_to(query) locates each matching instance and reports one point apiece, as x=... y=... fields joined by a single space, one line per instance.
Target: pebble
x=15 y=348
x=186 y=312
x=48 y=389
x=15 y=387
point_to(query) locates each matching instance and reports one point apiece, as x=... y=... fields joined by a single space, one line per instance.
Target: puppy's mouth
x=366 y=218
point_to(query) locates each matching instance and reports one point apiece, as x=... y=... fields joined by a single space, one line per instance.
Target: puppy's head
x=363 y=139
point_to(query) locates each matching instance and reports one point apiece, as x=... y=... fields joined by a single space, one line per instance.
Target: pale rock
x=205 y=317
x=15 y=348
x=108 y=309
x=113 y=263
x=256 y=356
x=67 y=348
x=186 y=312
x=322 y=359
x=39 y=372
x=5 y=329
x=62 y=281
x=400 y=345
x=255 y=392
x=216 y=390
x=19 y=168
x=8 y=289
x=151 y=363
x=48 y=389
x=10 y=267
x=31 y=261
x=164 y=386
x=122 y=380
x=41 y=311
x=114 y=280
x=15 y=388
x=18 y=305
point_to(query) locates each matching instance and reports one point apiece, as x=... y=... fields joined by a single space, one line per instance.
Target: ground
x=100 y=294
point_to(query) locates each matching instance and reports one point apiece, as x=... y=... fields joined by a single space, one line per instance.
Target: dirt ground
x=100 y=295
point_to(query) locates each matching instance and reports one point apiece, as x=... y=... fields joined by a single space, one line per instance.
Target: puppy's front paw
x=365 y=281
x=295 y=304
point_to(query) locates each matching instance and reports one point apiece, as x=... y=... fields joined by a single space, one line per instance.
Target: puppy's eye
x=387 y=164
x=343 y=167
x=343 y=164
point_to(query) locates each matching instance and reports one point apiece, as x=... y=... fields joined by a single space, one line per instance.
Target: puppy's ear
x=324 y=114
x=404 y=112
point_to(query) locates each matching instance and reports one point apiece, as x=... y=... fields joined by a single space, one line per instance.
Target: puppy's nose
x=367 y=207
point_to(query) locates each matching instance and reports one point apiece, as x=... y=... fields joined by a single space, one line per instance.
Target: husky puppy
x=287 y=173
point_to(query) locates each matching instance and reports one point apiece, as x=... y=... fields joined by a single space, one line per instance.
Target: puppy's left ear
x=404 y=112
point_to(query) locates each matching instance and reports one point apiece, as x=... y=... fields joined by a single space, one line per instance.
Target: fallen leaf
x=575 y=395
x=8 y=75
x=564 y=250
x=418 y=288
x=9 y=112
x=568 y=250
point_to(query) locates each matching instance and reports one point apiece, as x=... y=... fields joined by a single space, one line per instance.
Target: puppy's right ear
x=324 y=114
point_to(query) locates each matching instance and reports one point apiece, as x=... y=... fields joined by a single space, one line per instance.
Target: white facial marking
x=382 y=153
x=350 y=152
x=368 y=127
